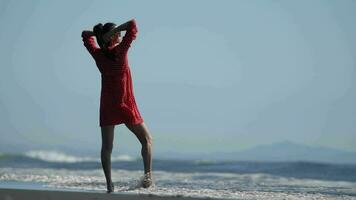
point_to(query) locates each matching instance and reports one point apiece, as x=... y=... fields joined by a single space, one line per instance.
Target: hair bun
x=108 y=27
x=98 y=29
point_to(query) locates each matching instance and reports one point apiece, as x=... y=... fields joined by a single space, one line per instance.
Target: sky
x=208 y=75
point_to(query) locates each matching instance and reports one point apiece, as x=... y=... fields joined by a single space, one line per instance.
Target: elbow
x=87 y=34
x=133 y=26
x=83 y=34
x=132 y=21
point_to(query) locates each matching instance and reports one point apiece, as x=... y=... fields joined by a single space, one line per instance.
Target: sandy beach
x=34 y=194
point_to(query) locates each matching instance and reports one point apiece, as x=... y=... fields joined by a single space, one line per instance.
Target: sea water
x=189 y=178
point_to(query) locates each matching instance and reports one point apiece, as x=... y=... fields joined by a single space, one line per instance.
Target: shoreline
x=45 y=194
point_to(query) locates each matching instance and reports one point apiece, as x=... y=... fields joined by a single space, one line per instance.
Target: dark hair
x=99 y=30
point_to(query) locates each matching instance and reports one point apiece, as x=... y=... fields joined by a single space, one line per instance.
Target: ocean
x=190 y=178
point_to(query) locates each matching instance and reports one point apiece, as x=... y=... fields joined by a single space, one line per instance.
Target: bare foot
x=147 y=180
x=110 y=188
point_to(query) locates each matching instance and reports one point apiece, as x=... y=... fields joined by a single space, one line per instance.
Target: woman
x=117 y=101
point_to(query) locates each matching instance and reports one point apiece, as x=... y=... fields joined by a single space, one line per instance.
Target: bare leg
x=145 y=138
x=107 y=136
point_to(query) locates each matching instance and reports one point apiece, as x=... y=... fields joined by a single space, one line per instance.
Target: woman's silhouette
x=117 y=101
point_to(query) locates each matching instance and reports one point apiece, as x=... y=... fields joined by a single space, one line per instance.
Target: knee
x=148 y=141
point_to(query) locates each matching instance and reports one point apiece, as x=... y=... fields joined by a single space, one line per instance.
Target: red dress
x=117 y=101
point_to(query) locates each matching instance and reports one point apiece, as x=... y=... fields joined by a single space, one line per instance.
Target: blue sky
x=208 y=75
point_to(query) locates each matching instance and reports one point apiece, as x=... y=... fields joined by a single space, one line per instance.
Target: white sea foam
x=213 y=185
x=56 y=156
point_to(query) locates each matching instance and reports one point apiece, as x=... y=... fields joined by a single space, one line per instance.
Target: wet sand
x=36 y=194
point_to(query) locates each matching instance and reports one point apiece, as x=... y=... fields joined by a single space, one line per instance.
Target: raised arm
x=130 y=34
x=123 y=27
x=131 y=31
x=89 y=42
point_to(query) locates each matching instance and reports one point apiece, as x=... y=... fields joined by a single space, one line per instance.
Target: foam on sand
x=190 y=185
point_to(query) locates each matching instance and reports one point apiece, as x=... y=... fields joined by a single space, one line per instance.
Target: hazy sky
x=208 y=75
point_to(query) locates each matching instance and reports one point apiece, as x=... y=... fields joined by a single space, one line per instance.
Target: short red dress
x=117 y=101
